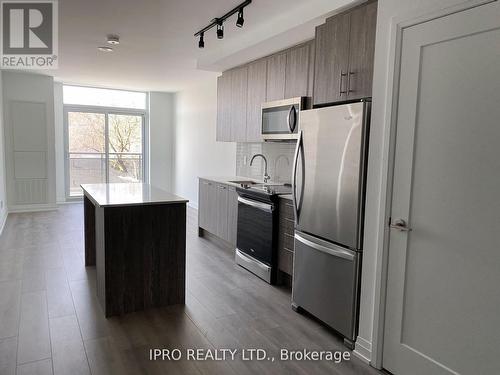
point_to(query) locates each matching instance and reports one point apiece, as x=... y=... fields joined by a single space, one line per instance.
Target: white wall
x=29 y=88
x=161 y=139
x=59 y=142
x=196 y=151
x=3 y=195
x=388 y=10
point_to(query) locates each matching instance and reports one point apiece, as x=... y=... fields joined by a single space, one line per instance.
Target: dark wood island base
x=139 y=251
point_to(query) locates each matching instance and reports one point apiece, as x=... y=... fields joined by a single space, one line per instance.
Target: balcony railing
x=90 y=168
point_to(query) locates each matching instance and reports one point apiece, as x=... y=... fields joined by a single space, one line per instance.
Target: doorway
x=442 y=299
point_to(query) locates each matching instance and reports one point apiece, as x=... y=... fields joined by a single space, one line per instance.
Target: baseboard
x=3 y=220
x=363 y=349
x=32 y=208
x=75 y=201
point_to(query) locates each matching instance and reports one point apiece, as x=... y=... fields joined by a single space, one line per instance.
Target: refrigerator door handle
x=331 y=250
x=294 y=177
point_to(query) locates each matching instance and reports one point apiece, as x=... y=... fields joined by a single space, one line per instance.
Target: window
x=103 y=144
x=92 y=96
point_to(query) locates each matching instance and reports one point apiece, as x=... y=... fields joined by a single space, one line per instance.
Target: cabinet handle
x=349 y=82
x=342 y=75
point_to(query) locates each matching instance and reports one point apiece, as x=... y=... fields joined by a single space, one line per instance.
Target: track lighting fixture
x=219 y=23
x=240 y=21
x=220 y=31
x=114 y=40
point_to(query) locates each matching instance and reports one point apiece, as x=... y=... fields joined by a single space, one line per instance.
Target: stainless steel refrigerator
x=329 y=193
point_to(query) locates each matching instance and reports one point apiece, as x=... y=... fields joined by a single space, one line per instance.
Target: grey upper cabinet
x=344 y=55
x=223 y=132
x=297 y=71
x=276 y=71
x=238 y=102
x=331 y=61
x=257 y=83
x=312 y=59
x=336 y=66
x=361 y=51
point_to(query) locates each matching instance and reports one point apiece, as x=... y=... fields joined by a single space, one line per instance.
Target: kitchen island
x=135 y=236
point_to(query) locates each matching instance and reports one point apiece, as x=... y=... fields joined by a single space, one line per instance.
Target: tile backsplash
x=279 y=157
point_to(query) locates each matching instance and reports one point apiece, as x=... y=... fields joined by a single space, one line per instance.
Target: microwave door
x=275 y=120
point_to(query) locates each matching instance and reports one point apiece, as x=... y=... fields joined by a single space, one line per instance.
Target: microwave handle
x=292 y=119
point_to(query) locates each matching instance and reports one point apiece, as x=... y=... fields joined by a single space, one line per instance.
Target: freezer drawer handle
x=259 y=205
x=328 y=250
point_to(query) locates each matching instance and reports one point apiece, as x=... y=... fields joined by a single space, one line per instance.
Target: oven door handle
x=261 y=206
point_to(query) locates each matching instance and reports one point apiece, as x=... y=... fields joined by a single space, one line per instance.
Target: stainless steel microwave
x=280 y=119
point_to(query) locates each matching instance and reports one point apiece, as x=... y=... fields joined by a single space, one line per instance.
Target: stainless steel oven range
x=257 y=239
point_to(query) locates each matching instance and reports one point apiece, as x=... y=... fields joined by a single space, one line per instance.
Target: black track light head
x=218 y=22
x=220 y=31
x=240 y=21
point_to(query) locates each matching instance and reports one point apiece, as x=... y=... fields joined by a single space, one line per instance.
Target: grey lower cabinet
x=207 y=196
x=232 y=214
x=286 y=238
x=221 y=211
x=218 y=209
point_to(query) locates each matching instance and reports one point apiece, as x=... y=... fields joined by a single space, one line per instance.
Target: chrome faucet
x=266 y=176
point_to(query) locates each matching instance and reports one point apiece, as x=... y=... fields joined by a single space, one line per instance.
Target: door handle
x=298 y=150
x=342 y=75
x=349 y=82
x=400 y=225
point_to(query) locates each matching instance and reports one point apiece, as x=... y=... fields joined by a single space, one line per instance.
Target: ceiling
x=158 y=51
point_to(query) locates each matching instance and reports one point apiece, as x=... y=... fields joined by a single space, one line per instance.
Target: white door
x=443 y=294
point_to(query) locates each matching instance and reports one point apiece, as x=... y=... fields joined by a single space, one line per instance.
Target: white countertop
x=229 y=180
x=129 y=194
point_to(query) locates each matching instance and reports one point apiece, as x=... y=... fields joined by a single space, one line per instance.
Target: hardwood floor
x=51 y=321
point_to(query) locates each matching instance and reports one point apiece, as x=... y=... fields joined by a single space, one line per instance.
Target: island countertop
x=128 y=194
